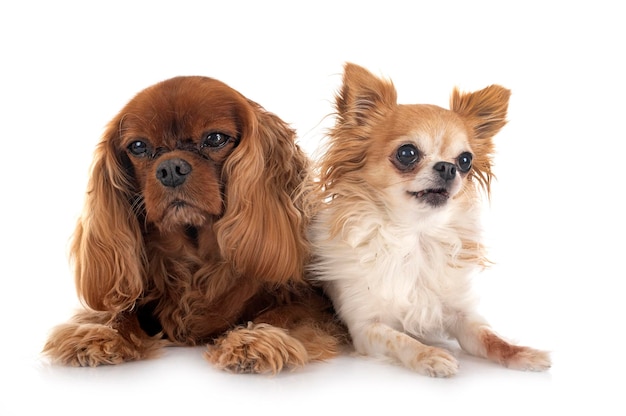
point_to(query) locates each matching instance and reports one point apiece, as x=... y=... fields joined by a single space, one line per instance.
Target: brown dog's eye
x=465 y=161
x=138 y=148
x=215 y=140
x=407 y=155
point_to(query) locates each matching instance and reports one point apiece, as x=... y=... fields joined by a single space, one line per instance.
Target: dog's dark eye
x=138 y=148
x=465 y=161
x=407 y=155
x=215 y=140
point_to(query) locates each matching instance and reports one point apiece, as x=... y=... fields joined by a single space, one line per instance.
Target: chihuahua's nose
x=446 y=170
x=173 y=172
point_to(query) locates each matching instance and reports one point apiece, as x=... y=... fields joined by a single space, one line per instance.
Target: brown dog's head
x=187 y=153
x=172 y=141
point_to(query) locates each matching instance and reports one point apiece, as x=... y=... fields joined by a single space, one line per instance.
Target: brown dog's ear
x=484 y=113
x=107 y=247
x=262 y=231
x=362 y=96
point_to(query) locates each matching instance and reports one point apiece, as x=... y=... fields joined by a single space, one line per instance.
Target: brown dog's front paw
x=257 y=348
x=91 y=345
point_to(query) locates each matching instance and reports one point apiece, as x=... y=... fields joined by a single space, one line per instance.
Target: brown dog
x=193 y=233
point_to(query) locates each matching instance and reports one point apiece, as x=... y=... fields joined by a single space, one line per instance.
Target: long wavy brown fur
x=203 y=262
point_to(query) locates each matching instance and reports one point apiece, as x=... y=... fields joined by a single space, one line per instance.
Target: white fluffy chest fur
x=413 y=276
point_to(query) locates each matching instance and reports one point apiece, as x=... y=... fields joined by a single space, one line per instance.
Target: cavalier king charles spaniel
x=193 y=233
x=396 y=236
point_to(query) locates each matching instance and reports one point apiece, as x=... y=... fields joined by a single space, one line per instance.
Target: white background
x=555 y=223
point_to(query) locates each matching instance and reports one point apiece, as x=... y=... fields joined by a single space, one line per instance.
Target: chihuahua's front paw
x=514 y=356
x=527 y=359
x=434 y=362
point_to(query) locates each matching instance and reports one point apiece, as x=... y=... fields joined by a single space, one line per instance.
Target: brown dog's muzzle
x=173 y=172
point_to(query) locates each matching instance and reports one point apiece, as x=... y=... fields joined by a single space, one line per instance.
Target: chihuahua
x=396 y=235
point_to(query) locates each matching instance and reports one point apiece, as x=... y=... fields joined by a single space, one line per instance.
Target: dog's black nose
x=446 y=170
x=173 y=172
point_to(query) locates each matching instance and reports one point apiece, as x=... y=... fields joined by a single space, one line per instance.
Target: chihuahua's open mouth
x=434 y=197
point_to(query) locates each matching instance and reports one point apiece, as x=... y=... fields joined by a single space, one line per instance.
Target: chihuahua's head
x=418 y=154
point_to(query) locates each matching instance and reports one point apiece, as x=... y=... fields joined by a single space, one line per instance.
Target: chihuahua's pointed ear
x=484 y=112
x=362 y=96
x=361 y=102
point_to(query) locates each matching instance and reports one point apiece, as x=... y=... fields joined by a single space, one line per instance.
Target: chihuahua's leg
x=477 y=338
x=379 y=339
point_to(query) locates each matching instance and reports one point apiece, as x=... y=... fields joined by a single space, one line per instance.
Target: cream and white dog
x=396 y=233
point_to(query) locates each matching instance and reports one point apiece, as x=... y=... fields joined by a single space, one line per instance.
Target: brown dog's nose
x=446 y=170
x=173 y=172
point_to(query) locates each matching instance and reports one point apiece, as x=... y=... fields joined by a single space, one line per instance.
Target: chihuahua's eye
x=215 y=140
x=138 y=148
x=407 y=155
x=465 y=161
